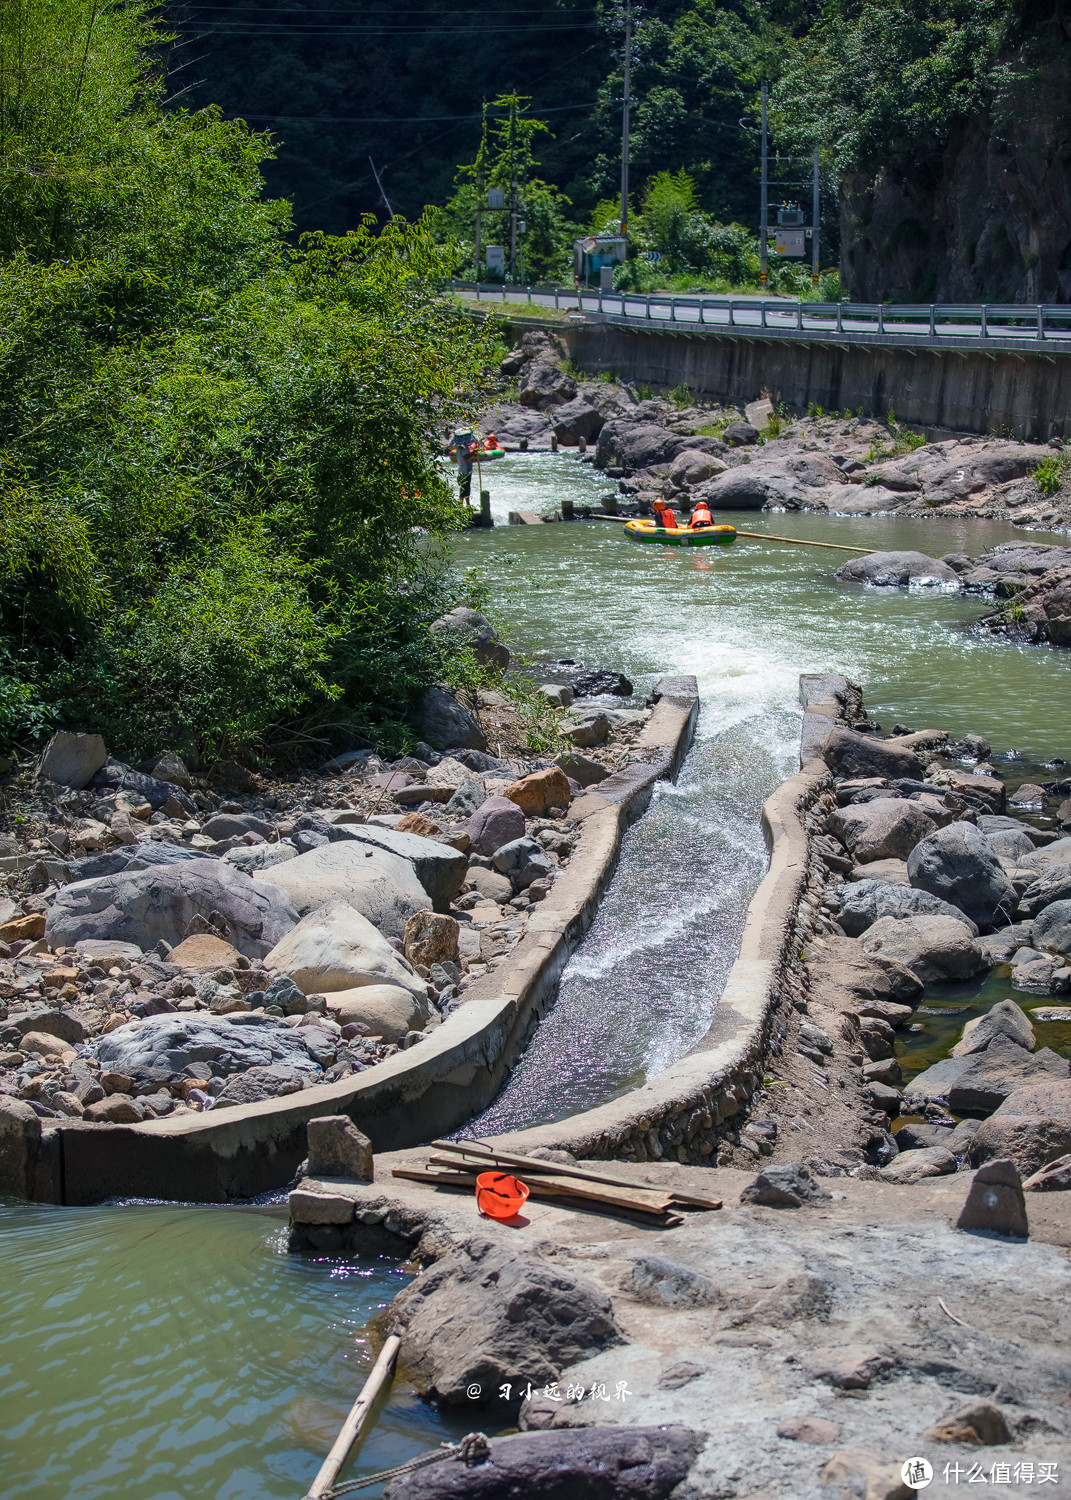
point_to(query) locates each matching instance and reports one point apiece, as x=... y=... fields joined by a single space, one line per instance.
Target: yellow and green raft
x=680 y=536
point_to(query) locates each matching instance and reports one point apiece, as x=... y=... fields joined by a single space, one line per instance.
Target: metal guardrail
x=994 y=324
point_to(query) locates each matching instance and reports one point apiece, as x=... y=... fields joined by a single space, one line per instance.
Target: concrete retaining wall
x=414 y=1096
x=1027 y=395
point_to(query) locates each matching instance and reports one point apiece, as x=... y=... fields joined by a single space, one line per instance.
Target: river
x=167 y=1353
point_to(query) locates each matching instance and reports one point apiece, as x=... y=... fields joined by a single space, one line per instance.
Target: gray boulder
x=861 y=903
x=439 y=867
x=957 y=864
x=1052 y=928
x=894 y=569
x=1056 y=853
x=848 y=753
x=234 y=825
x=913 y=1166
x=940 y=950
x=576 y=420
x=258 y=1083
x=583 y=771
x=115 y=776
x=787 y=1185
x=469 y=796
x=488 y=1315
x=741 y=434
x=252 y=858
x=160 y=904
x=72 y=759
x=523 y=861
x=1005 y=1019
x=546 y=385
x=146 y=856
x=1031 y=1127
x=443 y=721
x=997 y=1072
x=469 y=628
x=167 y=1047
x=496 y=822
x=1008 y=843
x=1052 y=885
x=794 y=480
x=886 y=828
x=338 y=1149
x=375 y=881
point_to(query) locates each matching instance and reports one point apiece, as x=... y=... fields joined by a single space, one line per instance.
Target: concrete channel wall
x=1025 y=395
x=415 y=1095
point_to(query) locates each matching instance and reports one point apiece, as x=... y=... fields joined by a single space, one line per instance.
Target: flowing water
x=163 y=1353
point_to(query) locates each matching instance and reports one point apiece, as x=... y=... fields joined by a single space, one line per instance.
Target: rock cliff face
x=993 y=221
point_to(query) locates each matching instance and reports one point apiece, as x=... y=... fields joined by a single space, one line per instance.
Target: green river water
x=165 y=1353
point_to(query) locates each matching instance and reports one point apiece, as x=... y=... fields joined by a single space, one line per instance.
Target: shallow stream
x=178 y=1353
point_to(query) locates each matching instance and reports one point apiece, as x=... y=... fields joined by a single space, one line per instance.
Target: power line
x=401 y=119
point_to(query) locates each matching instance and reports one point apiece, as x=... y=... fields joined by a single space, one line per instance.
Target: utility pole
x=764 y=211
x=379 y=185
x=815 y=210
x=624 y=119
x=513 y=231
x=479 y=188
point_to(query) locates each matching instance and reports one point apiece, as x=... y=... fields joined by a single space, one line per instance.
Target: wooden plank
x=574 y=1186
x=546 y=1187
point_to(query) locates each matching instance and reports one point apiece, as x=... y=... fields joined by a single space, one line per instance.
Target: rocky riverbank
x=758 y=458
x=174 y=944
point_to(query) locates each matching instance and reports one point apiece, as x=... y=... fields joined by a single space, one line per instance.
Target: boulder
x=115 y=776
x=887 y=871
x=251 y=859
x=596 y=1463
x=271 y=1081
x=163 y=1048
x=523 y=861
x=894 y=569
x=159 y=904
x=439 y=867
x=587 y=730
x=957 y=864
x=841 y=968
x=106 y=953
x=202 y=951
x=546 y=385
x=847 y=753
x=172 y=768
x=443 y=721
x=1053 y=885
x=488 y=1315
x=583 y=771
x=336 y=948
x=784 y=1186
x=794 y=480
x=1031 y=1127
x=741 y=434
x=859 y=904
x=469 y=628
x=132 y=857
x=1054 y=1177
x=72 y=759
x=990 y=1076
x=985 y=793
x=575 y=420
x=386 y=1009
x=20 y=1142
x=980 y=1424
x=940 y=950
x=431 y=938
x=887 y=828
x=630 y=443
x=59 y=1023
x=1008 y=843
x=379 y=884
x=995 y=1202
x=490 y=884
x=913 y=1166
x=469 y=796
x=496 y=822
x=1005 y=1019
x=1052 y=929
x=535 y=795
x=1056 y=853
x=234 y=825
x=692 y=467
x=604 y=680
x=338 y=1149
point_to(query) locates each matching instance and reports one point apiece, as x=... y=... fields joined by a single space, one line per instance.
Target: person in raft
x=664 y=518
x=701 y=516
x=463 y=448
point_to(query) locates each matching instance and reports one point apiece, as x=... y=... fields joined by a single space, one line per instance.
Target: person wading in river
x=463 y=447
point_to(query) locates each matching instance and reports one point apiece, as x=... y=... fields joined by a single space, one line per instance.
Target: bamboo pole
x=358 y=1415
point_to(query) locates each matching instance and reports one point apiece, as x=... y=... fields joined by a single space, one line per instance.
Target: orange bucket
x=500 y=1196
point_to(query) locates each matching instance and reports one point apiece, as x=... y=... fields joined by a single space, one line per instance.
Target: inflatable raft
x=680 y=536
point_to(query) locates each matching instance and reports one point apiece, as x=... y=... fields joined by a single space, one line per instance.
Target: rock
x=887 y=828
x=204 y=952
x=233 y=825
x=252 y=859
x=386 y=1010
x=849 y=1367
x=59 y=1023
x=469 y=797
x=468 y=628
x=957 y=865
x=884 y=1070
x=632 y=444
x=134 y=856
x=809 y=1430
x=420 y=825
x=888 y=871
x=1052 y=928
x=115 y=776
x=999 y=1071
x=1007 y=843
x=20 y=1140
x=171 y=767
x=588 y=731
x=596 y=1463
x=1054 y=1177
x=940 y=950
x=29 y=927
x=438 y=867
x=981 y=1423
x=847 y=753
x=273 y=1081
x=379 y=884
x=659 y=1282
x=523 y=861
x=894 y=569
x=842 y=969
x=431 y=938
x=884 y=1010
x=336 y=948
x=787 y=1186
x=794 y=480
x=855 y=1474
x=583 y=771
x=490 y=884
x=741 y=434
x=691 y=467
x=159 y=904
x=576 y=420
x=557 y=693
x=43 y=1044
x=1050 y=884
x=861 y=903
x=443 y=721
x=338 y=1149
x=491 y=1315
x=117 y=1109
x=995 y=1202
x=883 y=1096
x=162 y=1048
x=72 y=759
x=1057 y=853
x=535 y=795
x=602 y=680
x=1005 y=1019
x=1031 y=1127
x=934 y=1082
x=546 y=385
x=913 y=1166
x=106 y=953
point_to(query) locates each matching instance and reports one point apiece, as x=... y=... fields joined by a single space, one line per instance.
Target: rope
x=472 y=1450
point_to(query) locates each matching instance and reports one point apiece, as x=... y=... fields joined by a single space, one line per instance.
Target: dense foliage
x=214 y=445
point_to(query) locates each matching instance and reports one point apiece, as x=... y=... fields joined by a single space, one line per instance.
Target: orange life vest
x=701 y=515
x=669 y=519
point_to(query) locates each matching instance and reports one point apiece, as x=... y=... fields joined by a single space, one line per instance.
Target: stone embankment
x=756 y=458
x=188 y=978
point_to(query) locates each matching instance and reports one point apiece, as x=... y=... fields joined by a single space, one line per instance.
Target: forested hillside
x=942 y=124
